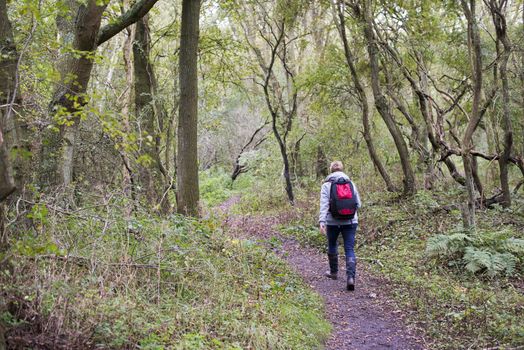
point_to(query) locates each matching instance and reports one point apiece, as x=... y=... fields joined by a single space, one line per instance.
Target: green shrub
x=215 y=187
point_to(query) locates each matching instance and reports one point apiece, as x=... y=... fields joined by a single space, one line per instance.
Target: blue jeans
x=348 y=234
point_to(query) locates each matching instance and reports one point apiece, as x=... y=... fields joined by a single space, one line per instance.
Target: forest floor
x=366 y=318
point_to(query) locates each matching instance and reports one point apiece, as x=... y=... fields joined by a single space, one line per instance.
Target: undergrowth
x=98 y=278
x=465 y=288
x=462 y=289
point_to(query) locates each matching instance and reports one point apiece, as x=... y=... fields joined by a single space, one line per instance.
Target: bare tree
x=272 y=27
x=252 y=143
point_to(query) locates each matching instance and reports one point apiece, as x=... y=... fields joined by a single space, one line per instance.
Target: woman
x=339 y=201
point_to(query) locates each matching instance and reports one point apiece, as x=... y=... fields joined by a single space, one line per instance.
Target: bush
x=215 y=187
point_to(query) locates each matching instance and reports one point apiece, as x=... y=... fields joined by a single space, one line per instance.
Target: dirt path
x=363 y=319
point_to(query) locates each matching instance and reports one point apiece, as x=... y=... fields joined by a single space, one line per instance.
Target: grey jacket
x=325 y=216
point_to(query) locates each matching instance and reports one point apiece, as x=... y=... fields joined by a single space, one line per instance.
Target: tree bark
x=128 y=183
x=8 y=60
x=498 y=9
x=79 y=30
x=149 y=116
x=363 y=99
x=476 y=116
x=136 y=12
x=187 y=157
x=285 y=160
x=381 y=102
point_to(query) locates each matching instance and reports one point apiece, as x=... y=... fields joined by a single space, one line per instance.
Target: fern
x=514 y=245
x=492 y=253
x=477 y=260
x=447 y=245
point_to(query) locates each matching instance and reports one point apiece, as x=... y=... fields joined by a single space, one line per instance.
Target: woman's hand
x=323 y=229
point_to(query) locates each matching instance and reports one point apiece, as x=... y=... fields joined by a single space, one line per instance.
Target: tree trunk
x=499 y=22
x=187 y=157
x=296 y=160
x=321 y=166
x=79 y=30
x=476 y=178
x=467 y=141
x=363 y=99
x=429 y=171
x=381 y=102
x=128 y=176
x=147 y=114
x=8 y=60
x=285 y=160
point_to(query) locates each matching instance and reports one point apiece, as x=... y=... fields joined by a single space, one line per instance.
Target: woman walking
x=339 y=202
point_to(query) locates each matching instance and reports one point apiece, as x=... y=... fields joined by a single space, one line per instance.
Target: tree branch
x=135 y=13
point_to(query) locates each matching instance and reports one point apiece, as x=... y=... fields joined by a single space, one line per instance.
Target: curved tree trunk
x=381 y=102
x=80 y=30
x=187 y=158
x=362 y=95
x=497 y=9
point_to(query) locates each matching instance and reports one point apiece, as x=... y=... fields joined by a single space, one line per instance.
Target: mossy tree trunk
x=78 y=31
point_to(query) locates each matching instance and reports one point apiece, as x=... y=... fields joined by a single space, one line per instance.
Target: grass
x=96 y=279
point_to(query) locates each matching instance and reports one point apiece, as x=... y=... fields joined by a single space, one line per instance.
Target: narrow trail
x=363 y=319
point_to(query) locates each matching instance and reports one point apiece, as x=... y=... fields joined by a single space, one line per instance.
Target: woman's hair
x=336 y=166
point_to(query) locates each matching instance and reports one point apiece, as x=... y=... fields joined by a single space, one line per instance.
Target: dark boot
x=351 y=265
x=333 y=266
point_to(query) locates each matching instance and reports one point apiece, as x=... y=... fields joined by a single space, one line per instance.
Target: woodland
x=158 y=158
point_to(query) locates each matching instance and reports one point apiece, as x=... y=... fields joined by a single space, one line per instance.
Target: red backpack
x=342 y=199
